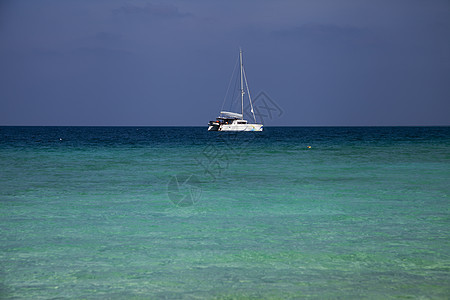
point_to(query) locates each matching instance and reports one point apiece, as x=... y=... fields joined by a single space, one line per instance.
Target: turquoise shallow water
x=182 y=213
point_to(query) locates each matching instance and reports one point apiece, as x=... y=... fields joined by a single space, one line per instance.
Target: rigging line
x=248 y=92
x=234 y=97
x=229 y=84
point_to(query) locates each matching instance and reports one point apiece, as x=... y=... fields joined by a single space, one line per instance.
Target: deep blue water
x=168 y=212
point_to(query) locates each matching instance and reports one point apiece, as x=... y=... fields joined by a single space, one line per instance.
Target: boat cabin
x=229 y=121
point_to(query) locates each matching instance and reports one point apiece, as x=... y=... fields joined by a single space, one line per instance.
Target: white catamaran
x=230 y=121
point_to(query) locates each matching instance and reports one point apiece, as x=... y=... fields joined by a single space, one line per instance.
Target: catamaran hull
x=237 y=127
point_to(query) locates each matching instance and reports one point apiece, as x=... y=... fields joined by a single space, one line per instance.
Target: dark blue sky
x=323 y=62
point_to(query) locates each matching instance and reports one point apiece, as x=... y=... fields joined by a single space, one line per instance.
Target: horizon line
x=269 y=126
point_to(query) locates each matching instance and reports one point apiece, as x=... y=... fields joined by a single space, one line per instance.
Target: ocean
x=183 y=213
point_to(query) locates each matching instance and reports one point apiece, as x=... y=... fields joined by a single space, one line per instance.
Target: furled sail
x=231 y=114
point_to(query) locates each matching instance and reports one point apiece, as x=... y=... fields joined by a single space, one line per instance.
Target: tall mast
x=242 y=84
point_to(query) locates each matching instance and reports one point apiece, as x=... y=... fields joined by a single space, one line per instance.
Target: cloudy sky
x=319 y=62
